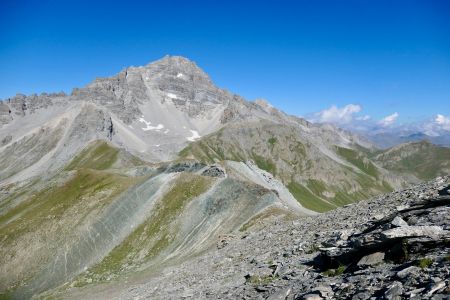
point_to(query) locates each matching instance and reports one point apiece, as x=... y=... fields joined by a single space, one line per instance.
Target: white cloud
x=436 y=126
x=337 y=115
x=388 y=120
x=443 y=121
x=363 y=118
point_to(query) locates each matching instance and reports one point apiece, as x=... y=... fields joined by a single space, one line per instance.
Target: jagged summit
x=168 y=68
x=178 y=66
x=174 y=60
x=171 y=81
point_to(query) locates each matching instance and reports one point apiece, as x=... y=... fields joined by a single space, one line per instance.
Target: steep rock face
x=172 y=79
x=20 y=105
x=5 y=114
x=37 y=146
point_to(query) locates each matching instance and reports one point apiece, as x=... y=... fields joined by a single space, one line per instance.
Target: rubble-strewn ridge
x=394 y=246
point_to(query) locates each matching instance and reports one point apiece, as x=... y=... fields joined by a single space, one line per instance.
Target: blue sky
x=385 y=57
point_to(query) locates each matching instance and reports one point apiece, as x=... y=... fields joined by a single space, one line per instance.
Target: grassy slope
x=422 y=159
x=358 y=160
x=311 y=194
x=285 y=156
x=308 y=199
x=271 y=212
x=99 y=155
x=212 y=149
x=154 y=235
x=54 y=201
x=48 y=215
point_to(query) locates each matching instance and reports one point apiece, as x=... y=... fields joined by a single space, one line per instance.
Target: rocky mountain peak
x=177 y=66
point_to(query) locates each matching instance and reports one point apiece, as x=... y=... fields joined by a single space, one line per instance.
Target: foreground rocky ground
x=395 y=246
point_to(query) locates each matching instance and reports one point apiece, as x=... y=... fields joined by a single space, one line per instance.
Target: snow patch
x=141 y=119
x=148 y=125
x=159 y=127
x=172 y=96
x=179 y=75
x=194 y=136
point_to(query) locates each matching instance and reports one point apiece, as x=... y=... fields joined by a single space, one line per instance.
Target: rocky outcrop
x=214 y=171
x=5 y=113
x=6 y=140
x=20 y=105
x=185 y=166
x=386 y=241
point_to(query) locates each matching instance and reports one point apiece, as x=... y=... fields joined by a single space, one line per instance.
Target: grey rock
x=312 y=297
x=186 y=166
x=281 y=294
x=412 y=270
x=413 y=231
x=6 y=140
x=402 y=207
x=435 y=287
x=214 y=171
x=394 y=291
x=371 y=259
x=324 y=290
x=399 y=222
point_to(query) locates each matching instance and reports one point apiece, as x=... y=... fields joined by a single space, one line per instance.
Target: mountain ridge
x=156 y=165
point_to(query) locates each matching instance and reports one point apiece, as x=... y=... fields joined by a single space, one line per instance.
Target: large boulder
x=413 y=231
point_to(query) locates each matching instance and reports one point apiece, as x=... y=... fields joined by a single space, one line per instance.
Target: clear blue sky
x=302 y=56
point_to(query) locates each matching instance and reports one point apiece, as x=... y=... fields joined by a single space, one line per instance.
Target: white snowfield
x=194 y=136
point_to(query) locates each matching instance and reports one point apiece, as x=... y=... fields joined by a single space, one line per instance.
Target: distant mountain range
x=149 y=167
x=386 y=140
